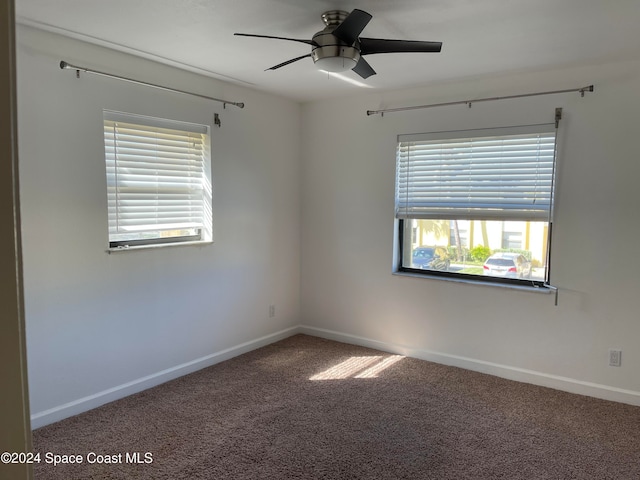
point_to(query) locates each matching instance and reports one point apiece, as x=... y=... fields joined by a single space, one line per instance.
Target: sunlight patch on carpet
x=373 y=371
x=358 y=367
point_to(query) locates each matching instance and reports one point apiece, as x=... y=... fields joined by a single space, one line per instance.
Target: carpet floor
x=309 y=408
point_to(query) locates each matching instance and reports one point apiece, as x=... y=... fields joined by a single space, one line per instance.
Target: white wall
x=100 y=326
x=349 y=292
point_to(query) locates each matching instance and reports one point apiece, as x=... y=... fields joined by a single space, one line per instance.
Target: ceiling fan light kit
x=338 y=47
x=339 y=62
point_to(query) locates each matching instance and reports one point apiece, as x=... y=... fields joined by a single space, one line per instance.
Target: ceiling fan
x=338 y=46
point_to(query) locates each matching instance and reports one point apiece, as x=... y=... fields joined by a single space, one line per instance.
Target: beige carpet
x=308 y=408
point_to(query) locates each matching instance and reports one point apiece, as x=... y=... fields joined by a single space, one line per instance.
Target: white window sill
x=157 y=245
x=526 y=288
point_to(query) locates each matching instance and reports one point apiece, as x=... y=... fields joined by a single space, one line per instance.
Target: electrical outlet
x=615 y=358
x=272 y=311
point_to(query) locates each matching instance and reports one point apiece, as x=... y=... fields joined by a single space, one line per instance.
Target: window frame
x=201 y=232
x=399 y=268
x=534 y=284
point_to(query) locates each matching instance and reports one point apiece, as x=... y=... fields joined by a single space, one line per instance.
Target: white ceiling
x=479 y=36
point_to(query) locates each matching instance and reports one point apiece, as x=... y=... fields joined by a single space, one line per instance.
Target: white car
x=508 y=265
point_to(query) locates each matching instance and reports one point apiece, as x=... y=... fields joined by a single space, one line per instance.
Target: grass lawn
x=472 y=270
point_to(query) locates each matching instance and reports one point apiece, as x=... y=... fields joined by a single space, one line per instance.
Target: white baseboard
x=40 y=419
x=504 y=371
x=84 y=404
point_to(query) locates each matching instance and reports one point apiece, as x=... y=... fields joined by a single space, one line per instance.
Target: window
x=511 y=240
x=484 y=197
x=158 y=180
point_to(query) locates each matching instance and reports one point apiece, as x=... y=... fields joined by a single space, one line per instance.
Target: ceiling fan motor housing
x=332 y=54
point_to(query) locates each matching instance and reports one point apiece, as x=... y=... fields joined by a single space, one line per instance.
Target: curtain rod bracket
x=65 y=65
x=586 y=89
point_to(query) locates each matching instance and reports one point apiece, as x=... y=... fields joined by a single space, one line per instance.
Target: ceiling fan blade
x=349 y=30
x=363 y=68
x=380 y=45
x=308 y=42
x=288 y=62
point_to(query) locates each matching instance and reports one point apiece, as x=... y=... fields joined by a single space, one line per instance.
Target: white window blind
x=155 y=177
x=490 y=174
